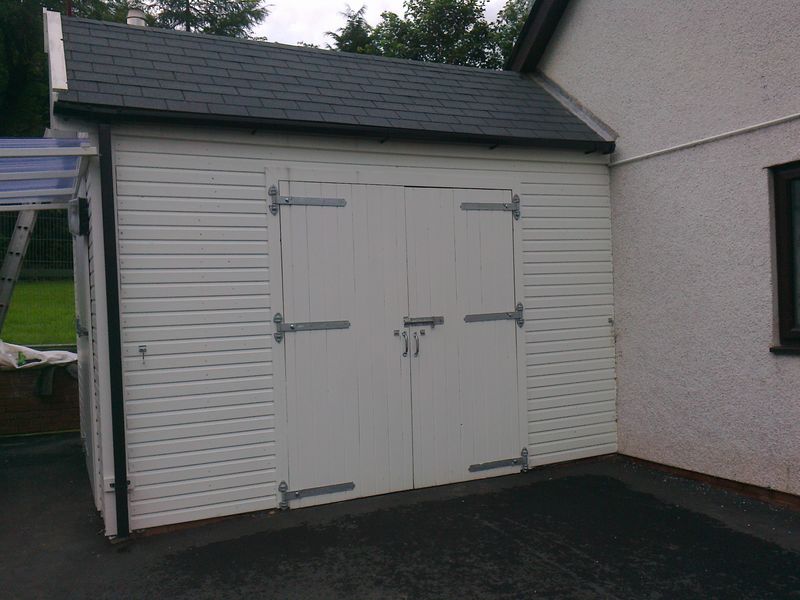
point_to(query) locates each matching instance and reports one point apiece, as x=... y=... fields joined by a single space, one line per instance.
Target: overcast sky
x=294 y=21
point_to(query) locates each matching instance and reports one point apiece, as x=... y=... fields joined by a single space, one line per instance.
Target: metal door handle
x=405 y=342
x=416 y=344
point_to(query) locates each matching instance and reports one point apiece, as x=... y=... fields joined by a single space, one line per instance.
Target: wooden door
x=465 y=394
x=347 y=389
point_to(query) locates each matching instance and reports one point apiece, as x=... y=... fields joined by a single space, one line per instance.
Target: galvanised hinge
x=277 y=201
x=282 y=328
x=516 y=315
x=286 y=494
x=521 y=460
x=512 y=207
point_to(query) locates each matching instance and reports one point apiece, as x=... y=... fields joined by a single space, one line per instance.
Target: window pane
x=794 y=199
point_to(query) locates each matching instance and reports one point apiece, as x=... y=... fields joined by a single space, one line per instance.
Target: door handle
x=416 y=344
x=405 y=343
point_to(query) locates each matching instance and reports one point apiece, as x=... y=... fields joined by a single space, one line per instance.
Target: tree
x=447 y=31
x=234 y=18
x=356 y=35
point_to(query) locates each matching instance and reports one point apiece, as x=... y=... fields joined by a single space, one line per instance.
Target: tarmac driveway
x=607 y=528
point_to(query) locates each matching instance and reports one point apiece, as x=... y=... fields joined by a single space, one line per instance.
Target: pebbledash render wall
x=692 y=229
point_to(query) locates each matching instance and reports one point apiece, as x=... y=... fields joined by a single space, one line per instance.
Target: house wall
x=693 y=258
x=203 y=418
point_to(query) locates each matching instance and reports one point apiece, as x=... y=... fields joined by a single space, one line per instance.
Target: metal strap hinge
x=512 y=207
x=287 y=494
x=281 y=327
x=517 y=316
x=521 y=460
x=277 y=200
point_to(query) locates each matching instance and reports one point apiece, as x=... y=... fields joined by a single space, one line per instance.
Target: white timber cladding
x=206 y=421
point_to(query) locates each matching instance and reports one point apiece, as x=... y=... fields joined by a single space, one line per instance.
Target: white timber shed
x=312 y=276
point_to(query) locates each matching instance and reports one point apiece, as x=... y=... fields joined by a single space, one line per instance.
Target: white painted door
x=464 y=378
x=348 y=403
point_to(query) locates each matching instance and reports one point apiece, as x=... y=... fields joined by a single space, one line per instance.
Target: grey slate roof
x=115 y=69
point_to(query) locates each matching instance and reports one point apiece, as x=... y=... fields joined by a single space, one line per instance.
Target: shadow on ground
x=602 y=529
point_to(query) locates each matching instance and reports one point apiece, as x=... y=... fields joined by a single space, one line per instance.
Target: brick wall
x=22 y=411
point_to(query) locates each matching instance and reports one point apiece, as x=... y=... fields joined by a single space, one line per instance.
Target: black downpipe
x=114 y=340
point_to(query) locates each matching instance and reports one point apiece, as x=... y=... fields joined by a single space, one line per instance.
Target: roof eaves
x=535 y=35
x=116 y=114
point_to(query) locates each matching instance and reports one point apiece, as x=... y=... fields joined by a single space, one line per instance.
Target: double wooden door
x=398 y=326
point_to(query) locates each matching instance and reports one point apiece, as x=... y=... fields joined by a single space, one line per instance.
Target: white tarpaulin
x=10 y=357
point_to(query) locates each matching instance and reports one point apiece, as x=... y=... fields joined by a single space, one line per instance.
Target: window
x=787 y=238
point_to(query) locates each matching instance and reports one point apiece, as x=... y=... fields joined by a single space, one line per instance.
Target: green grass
x=41 y=313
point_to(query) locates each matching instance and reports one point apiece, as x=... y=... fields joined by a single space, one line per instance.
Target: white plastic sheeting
x=10 y=355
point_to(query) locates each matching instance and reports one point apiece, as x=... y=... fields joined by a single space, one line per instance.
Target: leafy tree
x=448 y=31
x=234 y=18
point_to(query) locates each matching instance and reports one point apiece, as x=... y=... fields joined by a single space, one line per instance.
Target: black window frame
x=786 y=254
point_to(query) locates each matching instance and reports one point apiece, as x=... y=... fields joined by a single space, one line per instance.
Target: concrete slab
x=604 y=528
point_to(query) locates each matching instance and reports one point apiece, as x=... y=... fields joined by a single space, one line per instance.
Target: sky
x=294 y=21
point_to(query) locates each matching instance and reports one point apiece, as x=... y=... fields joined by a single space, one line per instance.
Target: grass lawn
x=42 y=312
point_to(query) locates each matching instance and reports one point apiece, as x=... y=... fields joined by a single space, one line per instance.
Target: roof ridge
x=293 y=48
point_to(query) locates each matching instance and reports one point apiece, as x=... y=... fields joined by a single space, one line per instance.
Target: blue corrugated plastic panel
x=51 y=189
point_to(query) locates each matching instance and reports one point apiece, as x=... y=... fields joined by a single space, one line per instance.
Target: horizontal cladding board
x=531 y=233
x=563 y=455
x=248 y=492
x=534 y=302
x=254 y=208
x=563 y=245
x=561 y=368
x=531 y=200
x=151 y=465
x=602 y=374
x=589 y=385
x=199 y=401
x=199 y=373
x=547 y=348
x=187 y=416
x=566 y=257
x=171 y=290
x=171 y=433
x=572 y=423
x=214 y=510
x=193 y=317
x=573 y=437
x=200 y=332
x=532 y=214
x=195 y=261
x=566 y=312
x=568 y=356
x=197 y=345
x=569 y=323
x=162 y=218
x=159 y=305
x=539 y=416
x=177 y=174
x=148 y=392
x=206 y=484
x=573 y=222
x=214 y=247
x=598 y=178
x=207 y=469
x=192 y=234
x=194 y=444
x=564 y=189
x=567 y=290
x=184 y=190
x=196 y=359
x=566 y=401
x=537 y=268
x=193 y=275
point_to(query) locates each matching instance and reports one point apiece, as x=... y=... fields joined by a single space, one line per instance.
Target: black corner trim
x=114 y=338
x=536 y=33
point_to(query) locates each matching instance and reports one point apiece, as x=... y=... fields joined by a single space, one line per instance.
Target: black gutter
x=134 y=115
x=535 y=35
x=113 y=322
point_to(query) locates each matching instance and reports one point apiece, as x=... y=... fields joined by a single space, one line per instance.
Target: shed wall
x=195 y=290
